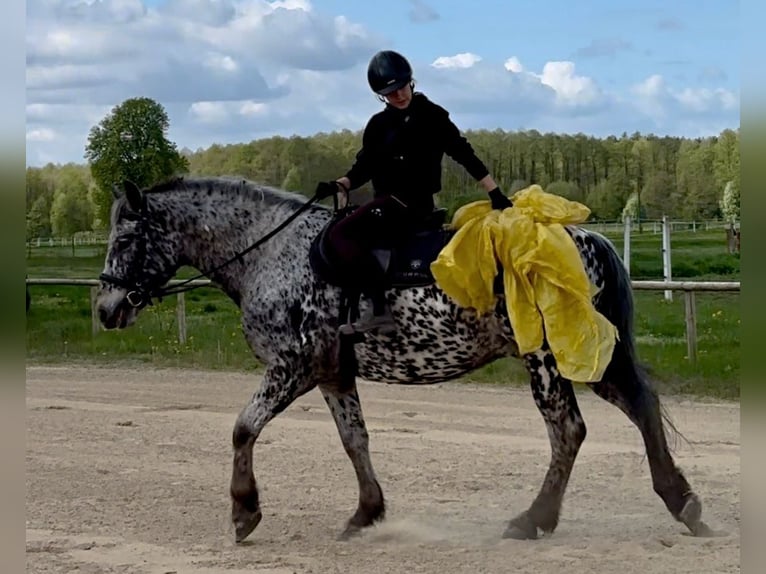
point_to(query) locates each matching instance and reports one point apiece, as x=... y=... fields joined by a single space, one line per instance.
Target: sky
x=231 y=71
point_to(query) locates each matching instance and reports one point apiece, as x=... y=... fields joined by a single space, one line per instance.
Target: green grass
x=59 y=324
x=700 y=255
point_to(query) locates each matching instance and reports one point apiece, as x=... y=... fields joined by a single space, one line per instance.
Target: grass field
x=59 y=325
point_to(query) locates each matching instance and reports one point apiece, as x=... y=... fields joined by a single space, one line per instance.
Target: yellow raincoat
x=546 y=288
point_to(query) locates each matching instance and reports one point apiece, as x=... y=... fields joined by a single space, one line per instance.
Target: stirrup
x=384 y=323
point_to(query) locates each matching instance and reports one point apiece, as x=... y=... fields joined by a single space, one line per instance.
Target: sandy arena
x=128 y=472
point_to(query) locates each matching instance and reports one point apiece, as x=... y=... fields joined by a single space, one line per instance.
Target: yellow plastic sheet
x=547 y=290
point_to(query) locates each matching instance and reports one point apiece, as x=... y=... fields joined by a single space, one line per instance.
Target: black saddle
x=405 y=266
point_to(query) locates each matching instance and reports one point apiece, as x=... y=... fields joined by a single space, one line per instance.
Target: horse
x=290 y=317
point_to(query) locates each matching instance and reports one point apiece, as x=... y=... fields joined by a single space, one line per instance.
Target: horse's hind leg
x=642 y=406
x=346 y=409
x=555 y=399
x=277 y=391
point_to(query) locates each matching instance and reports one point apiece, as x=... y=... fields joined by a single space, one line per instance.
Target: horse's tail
x=616 y=303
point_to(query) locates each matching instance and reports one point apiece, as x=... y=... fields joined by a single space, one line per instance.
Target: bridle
x=140 y=294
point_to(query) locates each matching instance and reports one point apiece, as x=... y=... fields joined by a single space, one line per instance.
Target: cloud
x=660 y=102
x=422 y=12
x=230 y=71
x=604 y=47
x=41 y=135
x=513 y=64
x=571 y=89
x=463 y=60
x=488 y=94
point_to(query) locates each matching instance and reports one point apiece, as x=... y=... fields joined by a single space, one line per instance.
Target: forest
x=647 y=176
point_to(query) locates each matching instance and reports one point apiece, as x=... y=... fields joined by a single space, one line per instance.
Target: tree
x=293 y=180
x=71 y=210
x=659 y=196
x=131 y=143
x=566 y=189
x=730 y=203
x=39 y=217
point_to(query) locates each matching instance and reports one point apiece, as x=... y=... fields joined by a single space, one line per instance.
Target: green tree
x=606 y=200
x=566 y=189
x=71 y=210
x=39 y=217
x=293 y=180
x=659 y=196
x=730 y=203
x=131 y=143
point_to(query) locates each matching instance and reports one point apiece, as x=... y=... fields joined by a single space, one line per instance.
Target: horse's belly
x=435 y=341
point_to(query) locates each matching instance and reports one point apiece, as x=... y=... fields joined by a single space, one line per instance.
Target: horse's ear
x=133 y=194
x=116 y=191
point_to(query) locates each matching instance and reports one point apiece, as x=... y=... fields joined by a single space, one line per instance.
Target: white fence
x=654 y=226
x=689 y=288
x=79 y=239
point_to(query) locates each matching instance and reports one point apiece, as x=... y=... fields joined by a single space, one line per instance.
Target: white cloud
x=209 y=112
x=462 y=60
x=41 y=135
x=659 y=101
x=651 y=87
x=221 y=62
x=252 y=108
x=513 y=64
x=570 y=88
x=704 y=99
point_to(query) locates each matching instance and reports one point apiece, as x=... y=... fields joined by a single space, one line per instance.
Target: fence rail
x=689 y=288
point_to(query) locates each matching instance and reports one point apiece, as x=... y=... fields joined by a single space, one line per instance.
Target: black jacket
x=402 y=152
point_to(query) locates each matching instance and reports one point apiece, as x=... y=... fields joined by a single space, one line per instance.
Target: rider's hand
x=499 y=201
x=326 y=189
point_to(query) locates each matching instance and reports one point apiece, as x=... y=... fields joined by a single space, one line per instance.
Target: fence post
x=181 y=315
x=667 y=268
x=95 y=324
x=691 y=325
x=626 y=245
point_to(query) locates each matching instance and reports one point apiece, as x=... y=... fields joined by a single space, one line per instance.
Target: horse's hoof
x=243 y=526
x=350 y=532
x=691 y=516
x=521 y=528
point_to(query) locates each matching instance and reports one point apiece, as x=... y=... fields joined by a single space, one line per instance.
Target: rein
x=139 y=297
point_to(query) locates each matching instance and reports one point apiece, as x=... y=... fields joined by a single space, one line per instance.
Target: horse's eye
x=123 y=242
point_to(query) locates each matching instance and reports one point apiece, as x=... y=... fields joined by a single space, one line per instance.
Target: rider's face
x=400 y=98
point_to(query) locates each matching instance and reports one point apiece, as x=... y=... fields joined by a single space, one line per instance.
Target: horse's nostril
x=102 y=315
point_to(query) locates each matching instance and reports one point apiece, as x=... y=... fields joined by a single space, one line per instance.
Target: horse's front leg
x=346 y=409
x=277 y=391
x=556 y=402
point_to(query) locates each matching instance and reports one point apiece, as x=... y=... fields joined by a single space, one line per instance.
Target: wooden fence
x=689 y=288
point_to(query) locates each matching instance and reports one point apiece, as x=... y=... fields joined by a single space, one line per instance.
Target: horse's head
x=138 y=259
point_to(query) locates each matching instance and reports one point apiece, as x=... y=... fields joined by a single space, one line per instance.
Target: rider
x=402 y=149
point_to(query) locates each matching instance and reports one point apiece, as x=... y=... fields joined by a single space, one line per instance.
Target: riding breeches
x=383 y=223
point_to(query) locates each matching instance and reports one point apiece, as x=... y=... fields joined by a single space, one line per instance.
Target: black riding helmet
x=388 y=71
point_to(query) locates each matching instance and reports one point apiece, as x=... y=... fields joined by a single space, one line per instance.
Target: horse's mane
x=227 y=185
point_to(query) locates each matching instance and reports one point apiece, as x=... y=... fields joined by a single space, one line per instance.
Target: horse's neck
x=222 y=228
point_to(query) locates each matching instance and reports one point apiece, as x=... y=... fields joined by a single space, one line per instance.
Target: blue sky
x=231 y=71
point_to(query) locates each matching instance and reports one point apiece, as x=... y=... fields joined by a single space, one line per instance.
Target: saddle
x=404 y=267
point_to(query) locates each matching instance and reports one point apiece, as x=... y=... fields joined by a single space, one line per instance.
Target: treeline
x=683 y=178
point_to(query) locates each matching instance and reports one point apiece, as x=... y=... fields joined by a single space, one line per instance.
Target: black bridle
x=140 y=295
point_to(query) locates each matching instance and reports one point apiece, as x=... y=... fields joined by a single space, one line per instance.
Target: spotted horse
x=225 y=228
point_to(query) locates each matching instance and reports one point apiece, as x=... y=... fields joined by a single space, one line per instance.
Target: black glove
x=326 y=189
x=499 y=201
